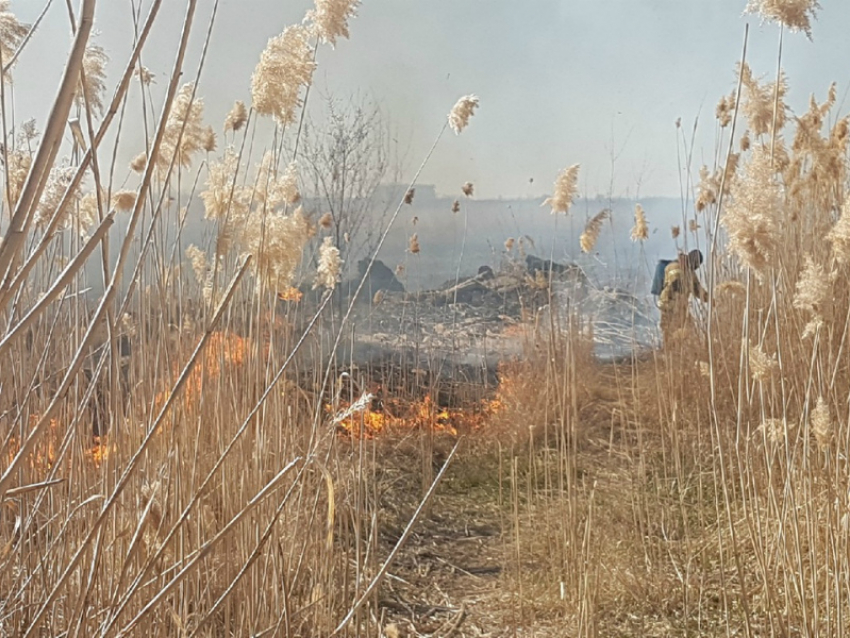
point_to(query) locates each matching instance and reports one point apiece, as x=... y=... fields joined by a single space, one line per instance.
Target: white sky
x=560 y=81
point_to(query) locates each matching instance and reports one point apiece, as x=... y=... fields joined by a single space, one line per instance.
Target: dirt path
x=449 y=579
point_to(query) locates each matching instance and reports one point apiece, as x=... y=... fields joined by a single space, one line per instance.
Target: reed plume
x=812 y=295
x=566 y=186
x=463 y=109
x=208 y=141
x=92 y=86
x=124 y=200
x=276 y=189
x=330 y=18
x=839 y=235
x=221 y=197
x=145 y=75
x=277 y=241
x=328 y=272
x=640 y=231
x=795 y=15
x=285 y=67
x=236 y=118
x=822 y=423
x=758 y=105
x=751 y=217
x=12 y=33
x=762 y=366
x=592 y=229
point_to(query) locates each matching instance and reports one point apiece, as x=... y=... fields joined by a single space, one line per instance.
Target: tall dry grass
x=167 y=462
x=703 y=490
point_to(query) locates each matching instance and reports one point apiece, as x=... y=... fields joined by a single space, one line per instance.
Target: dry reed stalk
x=204 y=551
x=59 y=286
x=134 y=461
x=8 y=288
x=44 y=158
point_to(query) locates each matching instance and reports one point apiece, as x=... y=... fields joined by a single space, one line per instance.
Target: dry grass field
x=187 y=454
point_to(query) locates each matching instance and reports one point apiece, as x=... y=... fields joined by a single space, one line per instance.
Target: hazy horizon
x=600 y=84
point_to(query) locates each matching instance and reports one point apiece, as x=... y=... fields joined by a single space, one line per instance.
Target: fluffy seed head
x=774 y=430
x=822 y=424
x=413 y=244
x=509 y=244
x=87 y=215
x=758 y=107
x=276 y=240
x=198 y=260
x=724 y=110
x=19 y=167
x=751 y=217
x=326 y=221
x=408 y=196
x=12 y=32
x=124 y=200
x=208 y=139
x=236 y=118
x=276 y=189
x=327 y=274
x=145 y=75
x=139 y=162
x=675 y=231
x=839 y=236
x=813 y=292
x=592 y=229
x=456 y=206
x=57 y=183
x=93 y=86
x=286 y=65
x=641 y=229
x=468 y=189
x=566 y=186
x=762 y=366
x=330 y=18
x=796 y=15
x=707 y=189
x=184 y=129
x=463 y=109
x=223 y=199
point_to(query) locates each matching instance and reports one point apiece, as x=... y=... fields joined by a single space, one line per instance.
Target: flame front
x=397 y=416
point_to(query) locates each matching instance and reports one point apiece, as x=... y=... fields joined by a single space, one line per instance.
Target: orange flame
x=290 y=294
x=43 y=456
x=99 y=451
x=423 y=415
x=224 y=351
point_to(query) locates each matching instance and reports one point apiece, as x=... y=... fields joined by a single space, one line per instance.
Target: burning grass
x=397 y=416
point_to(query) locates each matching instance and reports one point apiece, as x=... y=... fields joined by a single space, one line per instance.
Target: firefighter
x=680 y=282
